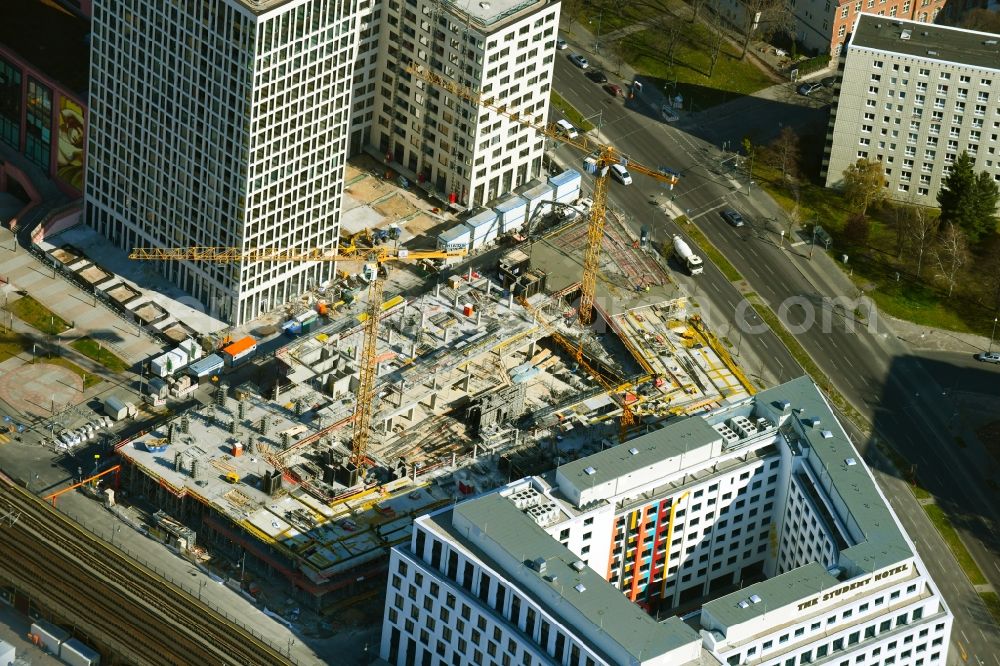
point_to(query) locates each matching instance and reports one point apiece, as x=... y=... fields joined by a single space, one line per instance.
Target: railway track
x=129 y=609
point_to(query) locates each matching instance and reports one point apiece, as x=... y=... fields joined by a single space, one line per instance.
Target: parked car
x=614 y=89
x=733 y=218
x=561 y=44
x=988 y=357
x=828 y=81
x=809 y=88
x=668 y=114
x=597 y=76
x=621 y=174
x=579 y=61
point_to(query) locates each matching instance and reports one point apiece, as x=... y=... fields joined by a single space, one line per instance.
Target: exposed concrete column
x=388 y=335
x=479 y=317
x=475 y=450
x=413 y=350
x=468 y=377
x=470 y=274
x=437 y=289
x=423 y=318
x=456 y=297
x=489 y=286
x=446 y=331
x=510 y=300
x=409 y=413
x=453 y=459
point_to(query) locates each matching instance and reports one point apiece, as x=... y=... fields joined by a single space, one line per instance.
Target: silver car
x=988 y=357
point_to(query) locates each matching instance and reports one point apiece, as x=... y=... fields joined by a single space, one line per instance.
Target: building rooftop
x=774 y=593
x=488 y=13
x=599 y=603
x=927 y=41
x=879 y=541
x=690 y=436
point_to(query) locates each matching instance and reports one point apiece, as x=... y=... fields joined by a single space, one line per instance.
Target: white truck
x=686 y=256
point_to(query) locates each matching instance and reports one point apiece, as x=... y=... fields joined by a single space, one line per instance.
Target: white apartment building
x=223 y=122
x=502 y=49
x=914 y=96
x=755 y=530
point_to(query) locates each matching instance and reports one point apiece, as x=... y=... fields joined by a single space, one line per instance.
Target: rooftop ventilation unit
x=579 y=587
x=755 y=599
x=743 y=427
x=537 y=564
x=905 y=34
x=578 y=565
x=933 y=53
x=590 y=471
x=851 y=462
x=990 y=42
x=744 y=604
x=727 y=433
x=634 y=451
x=525 y=498
x=826 y=434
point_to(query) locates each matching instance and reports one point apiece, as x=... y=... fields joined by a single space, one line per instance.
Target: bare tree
x=784 y=152
x=764 y=18
x=951 y=253
x=570 y=9
x=618 y=49
x=671 y=28
x=716 y=39
x=920 y=229
x=696 y=6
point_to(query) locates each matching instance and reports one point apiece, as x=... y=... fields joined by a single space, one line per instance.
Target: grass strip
x=992 y=601
x=93 y=350
x=958 y=549
x=709 y=249
x=36 y=315
x=568 y=110
x=12 y=343
x=89 y=378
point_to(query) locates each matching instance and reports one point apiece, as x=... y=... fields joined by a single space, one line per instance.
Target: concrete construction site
x=484 y=377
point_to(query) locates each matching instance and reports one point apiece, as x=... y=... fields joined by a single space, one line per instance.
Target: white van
x=621 y=174
x=566 y=129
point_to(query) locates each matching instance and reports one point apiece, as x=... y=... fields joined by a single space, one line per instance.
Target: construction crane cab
x=232 y=477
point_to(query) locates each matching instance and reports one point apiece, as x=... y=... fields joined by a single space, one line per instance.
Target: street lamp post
x=992 y=334
x=597 y=37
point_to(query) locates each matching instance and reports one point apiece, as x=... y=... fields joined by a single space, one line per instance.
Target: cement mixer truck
x=684 y=254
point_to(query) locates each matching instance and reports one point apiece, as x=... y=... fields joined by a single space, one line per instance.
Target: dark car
x=807 y=89
x=733 y=218
x=828 y=81
x=614 y=89
x=597 y=76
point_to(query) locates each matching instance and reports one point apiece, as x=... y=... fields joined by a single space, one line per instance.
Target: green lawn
x=903 y=299
x=940 y=520
x=992 y=601
x=568 y=110
x=93 y=350
x=11 y=343
x=732 y=77
x=36 y=315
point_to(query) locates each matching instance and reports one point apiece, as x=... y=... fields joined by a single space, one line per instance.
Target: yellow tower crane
x=604 y=156
x=367 y=372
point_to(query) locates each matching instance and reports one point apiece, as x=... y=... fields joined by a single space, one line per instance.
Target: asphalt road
x=873 y=369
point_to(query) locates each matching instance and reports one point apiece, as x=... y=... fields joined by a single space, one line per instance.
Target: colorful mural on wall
x=69 y=166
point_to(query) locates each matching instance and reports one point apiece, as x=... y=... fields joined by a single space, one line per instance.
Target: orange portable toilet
x=237 y=449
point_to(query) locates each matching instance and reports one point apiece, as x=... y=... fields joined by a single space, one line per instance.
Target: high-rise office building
x=756 y=530
x=222 y=122
x=914 y=96
x=501 y=49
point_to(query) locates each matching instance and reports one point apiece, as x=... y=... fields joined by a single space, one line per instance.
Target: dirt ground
x=367 y=190
x=395 y=208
